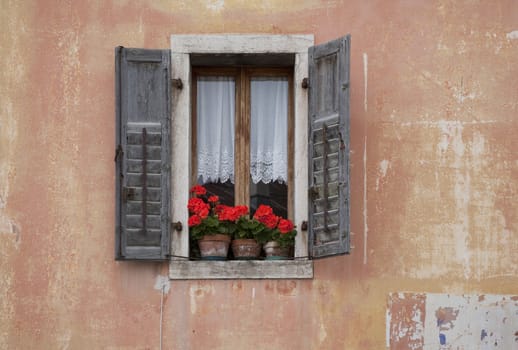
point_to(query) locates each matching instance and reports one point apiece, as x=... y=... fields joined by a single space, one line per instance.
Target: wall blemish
x=512 y=35
x=365 y=226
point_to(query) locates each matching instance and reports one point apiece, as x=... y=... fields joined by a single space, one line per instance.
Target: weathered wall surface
x=434 y=105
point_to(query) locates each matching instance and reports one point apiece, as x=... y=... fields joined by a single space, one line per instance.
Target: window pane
x=215 y=109
x=269 y=143
x=274 y=194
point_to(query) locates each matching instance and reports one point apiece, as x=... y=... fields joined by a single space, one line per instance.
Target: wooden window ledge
x=241 y=269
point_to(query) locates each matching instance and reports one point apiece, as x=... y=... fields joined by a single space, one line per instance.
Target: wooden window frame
x=242 y=78
x=182 y=47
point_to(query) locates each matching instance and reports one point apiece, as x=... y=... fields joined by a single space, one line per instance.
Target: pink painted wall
x=434 y=174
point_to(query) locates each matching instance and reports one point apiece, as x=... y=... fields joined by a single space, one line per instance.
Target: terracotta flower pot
x=246 y=249
x=214 y=247
x=274 y=251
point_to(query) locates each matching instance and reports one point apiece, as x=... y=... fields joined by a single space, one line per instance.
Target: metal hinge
x=118 y=153
x=305 y=83
x=177 y=83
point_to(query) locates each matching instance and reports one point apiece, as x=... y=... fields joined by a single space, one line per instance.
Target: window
x=242 y=135
x=320 y=169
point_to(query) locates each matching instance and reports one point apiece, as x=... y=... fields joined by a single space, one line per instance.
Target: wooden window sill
x=236 y=269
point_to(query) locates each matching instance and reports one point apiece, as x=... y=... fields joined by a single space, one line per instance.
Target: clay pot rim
x=244 y=241
x=216 y=237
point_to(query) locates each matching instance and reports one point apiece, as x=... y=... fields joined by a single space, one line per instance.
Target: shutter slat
x=143 y=133
x=135 y=207
x=137 y=180
x=136 y=152
x=135 y=166
x=329 y=148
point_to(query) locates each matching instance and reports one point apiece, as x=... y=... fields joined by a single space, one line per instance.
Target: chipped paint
x=429 y=321
x=162 y=283
x=382 y=172
x=512 y=35
x=215 y=5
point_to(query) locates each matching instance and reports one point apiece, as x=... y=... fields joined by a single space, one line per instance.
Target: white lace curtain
x=269 y=126
x=215 y=129
x=215 y=108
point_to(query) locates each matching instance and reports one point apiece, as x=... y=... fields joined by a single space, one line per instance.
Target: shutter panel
x=329 y=148
x=143 y=154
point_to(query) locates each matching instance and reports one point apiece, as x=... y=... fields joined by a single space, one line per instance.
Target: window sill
x=235 y=269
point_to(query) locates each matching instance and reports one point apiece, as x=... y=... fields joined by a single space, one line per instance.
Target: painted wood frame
x=182 y=46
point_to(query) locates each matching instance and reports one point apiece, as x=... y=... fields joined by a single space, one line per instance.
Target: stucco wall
x=434 y=175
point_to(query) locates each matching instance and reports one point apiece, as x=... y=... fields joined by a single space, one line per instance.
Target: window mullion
x=242 y=147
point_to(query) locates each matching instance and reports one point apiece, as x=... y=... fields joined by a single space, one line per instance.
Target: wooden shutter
x=143 y=156
x=329 y=148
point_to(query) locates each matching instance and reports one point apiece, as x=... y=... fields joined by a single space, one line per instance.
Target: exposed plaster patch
x=215 y=5
x=162 y=283
x=512 y=35
x=382 y=172
x=322 y=333
x=444 y=321
x=8 y=135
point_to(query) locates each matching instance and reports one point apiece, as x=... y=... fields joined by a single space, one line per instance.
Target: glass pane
x=269 y=143
x=215 y=113
x=224 y=190
x=215 y=107
x=274 y=194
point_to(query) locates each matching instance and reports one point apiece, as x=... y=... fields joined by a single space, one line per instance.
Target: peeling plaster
x=512 y=35
x=382 y=172
x=163 y=283
x=215 y=5
x=443 y=321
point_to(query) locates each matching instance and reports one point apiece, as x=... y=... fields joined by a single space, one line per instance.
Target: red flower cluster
x=226 y=213
x=198 y=207
x=198 y=190
x=194 y=220
x=265 y=215
x=285 y=226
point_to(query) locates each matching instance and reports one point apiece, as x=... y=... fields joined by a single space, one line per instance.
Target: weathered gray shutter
x=143 y=156
x=329 y=148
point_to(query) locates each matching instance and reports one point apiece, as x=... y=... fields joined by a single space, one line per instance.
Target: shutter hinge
x=305 y=83
x=313 y=192
x=118 y=153
x=177 y=226
x=177 y=83
x=304 y=226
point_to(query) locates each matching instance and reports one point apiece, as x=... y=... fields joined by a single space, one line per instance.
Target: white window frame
x=182 y=46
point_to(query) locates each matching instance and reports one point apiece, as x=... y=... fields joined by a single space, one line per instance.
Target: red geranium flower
x=270 y=220
x=241 y=210
x=263 y=210
x=232 y=213
x=213 y=199
x=198 y=206
x=204 y=212
x=194 y=220
x=285 y=226
x=198 y=190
